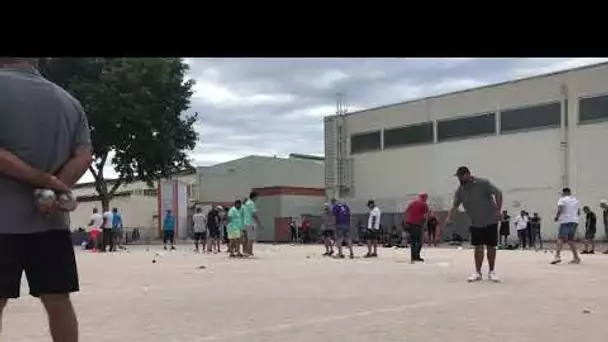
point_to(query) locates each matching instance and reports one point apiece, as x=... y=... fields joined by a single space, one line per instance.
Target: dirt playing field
x=293 y=294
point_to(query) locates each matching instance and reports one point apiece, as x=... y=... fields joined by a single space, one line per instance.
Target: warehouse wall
x=526 y=164
x=227 y=181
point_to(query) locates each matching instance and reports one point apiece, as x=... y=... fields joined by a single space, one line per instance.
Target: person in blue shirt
x=117 y=230
x=169 y=230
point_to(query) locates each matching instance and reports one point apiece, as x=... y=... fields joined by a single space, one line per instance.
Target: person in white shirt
x=94 y=227
x=568 y=212
x=199 y=219
x=521 y=224
x=373 y=230
x=108 y=236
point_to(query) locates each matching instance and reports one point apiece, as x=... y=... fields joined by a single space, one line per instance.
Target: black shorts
x=329 y=233
x=484 y=236
x=505 y=230
x=590 y=234
x=372 y=234
x=168 y=236
x=214 y=233
x=200 y=236
x=47 y=259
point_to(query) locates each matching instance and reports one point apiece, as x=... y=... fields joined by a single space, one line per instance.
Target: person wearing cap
x=373 y=229
x=329 y=230
x=415 y=216
x=604 y=207
x=568 y=212
x=482 y=201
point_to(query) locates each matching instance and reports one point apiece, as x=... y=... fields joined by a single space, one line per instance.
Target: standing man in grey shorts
x=47 y=129
x=482 y=201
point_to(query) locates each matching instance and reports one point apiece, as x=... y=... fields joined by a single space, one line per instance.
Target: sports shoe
x=556 y=261
x=475 y=277
x=575 y=261
x=493 y=277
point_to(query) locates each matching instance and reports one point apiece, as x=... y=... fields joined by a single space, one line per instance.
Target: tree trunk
x=105 y=203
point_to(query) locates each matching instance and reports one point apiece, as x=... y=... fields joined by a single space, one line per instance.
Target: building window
x=365 y=142
x=409 y=135
x=593 y=108
x=466 y=127
x=533 y=117
x=150 y=192
x=192 y=190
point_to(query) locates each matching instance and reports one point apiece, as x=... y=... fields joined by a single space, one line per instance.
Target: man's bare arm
x=559 y=212
x=14 y=167
x=455 y=204
x=76 y=166
x=451 y=213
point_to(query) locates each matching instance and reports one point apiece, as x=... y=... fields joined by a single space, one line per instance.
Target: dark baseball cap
x=463 y=170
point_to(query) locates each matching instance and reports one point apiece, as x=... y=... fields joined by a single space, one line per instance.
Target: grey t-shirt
x=477 y=198
x=43 y=125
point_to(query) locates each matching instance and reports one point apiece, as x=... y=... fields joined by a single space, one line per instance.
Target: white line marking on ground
x=328 y=319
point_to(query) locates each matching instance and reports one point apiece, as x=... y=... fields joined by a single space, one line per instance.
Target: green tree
x=136 y=109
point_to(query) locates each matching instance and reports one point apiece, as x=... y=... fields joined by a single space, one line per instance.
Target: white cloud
x=223 y=97
x=553 y=65
x=275 y=106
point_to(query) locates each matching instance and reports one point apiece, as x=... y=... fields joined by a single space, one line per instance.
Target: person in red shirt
x=306 y=229
x=415 y=216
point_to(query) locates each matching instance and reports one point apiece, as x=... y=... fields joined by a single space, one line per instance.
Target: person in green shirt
x=234 y=229
x=250 y=223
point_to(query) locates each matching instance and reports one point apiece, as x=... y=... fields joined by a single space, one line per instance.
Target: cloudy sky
x=276 y=106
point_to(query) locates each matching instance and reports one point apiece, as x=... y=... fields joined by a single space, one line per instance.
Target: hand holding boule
x=67 y=202
x=46 y=200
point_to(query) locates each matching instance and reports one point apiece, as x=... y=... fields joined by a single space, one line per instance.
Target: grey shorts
x=567 y=230
x=343 y=231
x=250 y=231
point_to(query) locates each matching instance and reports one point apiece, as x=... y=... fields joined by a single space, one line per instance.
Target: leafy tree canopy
x=136 y=108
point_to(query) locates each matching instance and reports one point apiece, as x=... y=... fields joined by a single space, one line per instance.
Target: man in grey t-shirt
x=482 y=201
x=46 y=130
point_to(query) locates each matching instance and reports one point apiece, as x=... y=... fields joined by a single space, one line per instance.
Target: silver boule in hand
x=45 y=197
x=67 y=202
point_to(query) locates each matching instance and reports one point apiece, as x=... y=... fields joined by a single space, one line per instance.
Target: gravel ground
x=291 y=293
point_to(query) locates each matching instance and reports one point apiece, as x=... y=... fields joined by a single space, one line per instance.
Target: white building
x=137 y=202
x=531 y=137
x=288 y=187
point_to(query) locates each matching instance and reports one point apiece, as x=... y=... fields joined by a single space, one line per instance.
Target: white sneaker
x=493 y=277
x=475 y=277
